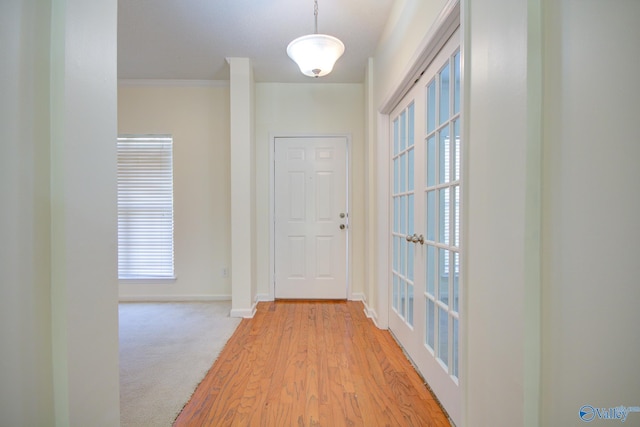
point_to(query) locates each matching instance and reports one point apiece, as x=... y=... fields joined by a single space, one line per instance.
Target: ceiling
x=190 y=39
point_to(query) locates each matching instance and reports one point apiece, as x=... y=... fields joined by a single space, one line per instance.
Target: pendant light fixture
x=315 y=53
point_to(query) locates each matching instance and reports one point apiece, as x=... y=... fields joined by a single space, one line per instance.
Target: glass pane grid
x=442 y=214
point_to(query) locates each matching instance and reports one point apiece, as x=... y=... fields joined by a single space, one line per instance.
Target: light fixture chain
x=315 y=14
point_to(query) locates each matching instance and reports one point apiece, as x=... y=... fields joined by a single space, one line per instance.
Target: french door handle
x=418 y=239
x=415 y=238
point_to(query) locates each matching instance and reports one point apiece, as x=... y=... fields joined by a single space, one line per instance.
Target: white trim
x=371 y=314
x=246 y=313
x=383 y=220
x=173 y=82
x=358 y=296
x=173 y=298
x=263 y=297
x=440 y=32
x=272 y=169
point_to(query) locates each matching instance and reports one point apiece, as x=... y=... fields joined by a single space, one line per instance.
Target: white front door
x=311 y=218
x=425 y=228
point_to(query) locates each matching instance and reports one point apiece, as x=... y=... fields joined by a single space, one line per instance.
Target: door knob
x=342 y=226
x=415 y=238
x=418 y=239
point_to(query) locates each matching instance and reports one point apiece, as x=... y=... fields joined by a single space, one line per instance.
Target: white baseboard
x=263 y=297
x=358 y=296
x=371 y=314
x=173 y=298
x=246 y=313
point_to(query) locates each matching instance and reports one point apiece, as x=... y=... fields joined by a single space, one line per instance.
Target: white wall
x=197 y=115
x=26 y=369
x=310 y=108
x=591 y=343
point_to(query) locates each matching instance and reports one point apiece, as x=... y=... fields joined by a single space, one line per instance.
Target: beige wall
x=197 y=115
x=313 y=108
x=591 y=207
x=26 y=370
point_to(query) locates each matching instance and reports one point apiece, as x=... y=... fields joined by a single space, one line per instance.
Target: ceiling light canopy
x=315 y=53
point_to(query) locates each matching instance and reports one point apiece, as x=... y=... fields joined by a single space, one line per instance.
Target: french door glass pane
x=402 y=298
x=403 y=173
x=431 y=161
x=403 y=131
x=443 y=335
x=456 y=280
x=454 y=362
x=396 y=138
x=403 y=256
x=431 y=107
x=431 y=270
x=403 y=214
x=396 y=214
x=395 y=292
x=396 y=252
x=396 y=176
x=456 y=150
x=431 y=216
x=430 y=324
x=443 y=212
x=410 y=171
x=444 y=95
x=410 y=304
x=443 y=275
x=456 y=216
x=444 y=155
x=410 y=231
x=411 y=213
x=410 y=126
x=410 y=261
x=456 y=87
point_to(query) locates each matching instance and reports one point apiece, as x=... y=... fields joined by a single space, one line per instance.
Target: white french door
x=310 y=198
x=425 y=225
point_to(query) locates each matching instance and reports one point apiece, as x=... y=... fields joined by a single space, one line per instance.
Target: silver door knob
x=342 y=226
x=418 y=239
x=409 y=238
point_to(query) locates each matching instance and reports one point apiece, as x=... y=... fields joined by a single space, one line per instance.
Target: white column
x=501 y=213
x=84 y=285
x=242 y=188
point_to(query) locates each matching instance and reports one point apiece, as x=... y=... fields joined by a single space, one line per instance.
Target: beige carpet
x=166 y=349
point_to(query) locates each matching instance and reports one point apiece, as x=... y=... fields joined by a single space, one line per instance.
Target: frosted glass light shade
x=315 y=54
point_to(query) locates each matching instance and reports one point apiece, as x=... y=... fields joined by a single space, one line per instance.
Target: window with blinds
x=145 y=207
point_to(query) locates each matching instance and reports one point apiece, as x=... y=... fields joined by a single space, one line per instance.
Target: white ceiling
x=190 y=39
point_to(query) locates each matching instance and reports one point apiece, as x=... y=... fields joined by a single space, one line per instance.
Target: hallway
x=312 y=363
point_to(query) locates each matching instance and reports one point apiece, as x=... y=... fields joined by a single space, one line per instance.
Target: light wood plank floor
x=311 y=364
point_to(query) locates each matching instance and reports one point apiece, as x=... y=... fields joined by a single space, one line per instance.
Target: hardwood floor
x=312 y=363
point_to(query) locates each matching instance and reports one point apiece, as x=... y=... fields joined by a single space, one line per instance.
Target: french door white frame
x=449 y=20
x=272 y=170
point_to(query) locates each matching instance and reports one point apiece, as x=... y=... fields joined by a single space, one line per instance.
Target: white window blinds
x=145 y=207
